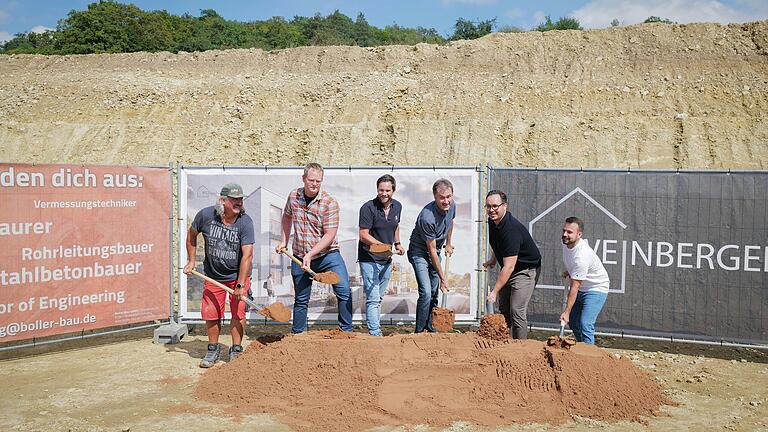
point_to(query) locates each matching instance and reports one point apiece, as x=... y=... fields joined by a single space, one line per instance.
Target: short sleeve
x=198 y=222
x=331 y=217
x=366 y=217
x=580 y=268
x=288 y=210
x=247 y=235
x=511 y=245
x=427 y=228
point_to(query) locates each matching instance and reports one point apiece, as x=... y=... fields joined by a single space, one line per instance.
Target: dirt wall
x=646 y=96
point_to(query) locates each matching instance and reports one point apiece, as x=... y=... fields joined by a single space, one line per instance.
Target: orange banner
x=83 y=247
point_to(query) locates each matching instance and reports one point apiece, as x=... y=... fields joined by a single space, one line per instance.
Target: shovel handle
x=225 y=288
x=297 y=261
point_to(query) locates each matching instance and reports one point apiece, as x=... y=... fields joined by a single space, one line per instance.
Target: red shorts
x=212 y=308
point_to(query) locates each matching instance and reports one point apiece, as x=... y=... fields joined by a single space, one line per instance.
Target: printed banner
x=686 y=252
x=84 y=247
x=266 y=192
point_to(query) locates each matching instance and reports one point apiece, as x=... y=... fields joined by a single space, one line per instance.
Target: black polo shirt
x=381 y=227
x=510 y=238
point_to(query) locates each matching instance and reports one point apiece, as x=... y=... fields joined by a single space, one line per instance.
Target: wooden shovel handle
x=298 y=261
x=225 y=288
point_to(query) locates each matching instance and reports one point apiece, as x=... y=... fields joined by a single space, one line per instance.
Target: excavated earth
x=329 y=381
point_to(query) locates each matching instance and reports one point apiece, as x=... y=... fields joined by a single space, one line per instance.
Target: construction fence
x=90 y=247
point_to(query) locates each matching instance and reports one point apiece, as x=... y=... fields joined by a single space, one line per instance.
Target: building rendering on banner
x=266 y=209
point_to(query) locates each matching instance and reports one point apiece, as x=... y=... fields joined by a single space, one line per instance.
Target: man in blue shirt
x=433 y=230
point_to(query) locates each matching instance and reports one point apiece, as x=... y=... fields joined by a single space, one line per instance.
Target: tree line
x=108 y=26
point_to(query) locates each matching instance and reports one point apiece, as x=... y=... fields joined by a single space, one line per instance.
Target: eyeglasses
x=494 y=207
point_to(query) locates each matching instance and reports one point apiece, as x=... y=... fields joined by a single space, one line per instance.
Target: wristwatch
x=239 y=286
x=397 y=243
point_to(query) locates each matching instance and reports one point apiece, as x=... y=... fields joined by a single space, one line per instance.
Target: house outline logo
x=602 y=209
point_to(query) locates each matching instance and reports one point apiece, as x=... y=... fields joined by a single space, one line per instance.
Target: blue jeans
x=375 y=280
x=428 y=281
x=302 y=285
x=584 y=314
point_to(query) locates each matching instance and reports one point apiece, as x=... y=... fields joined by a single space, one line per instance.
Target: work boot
x=214 y=350
x=235 y=351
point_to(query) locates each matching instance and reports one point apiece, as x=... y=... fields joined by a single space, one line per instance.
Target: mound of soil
x=329 y=381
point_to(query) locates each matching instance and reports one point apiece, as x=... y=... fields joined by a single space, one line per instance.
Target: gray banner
x=686 y=252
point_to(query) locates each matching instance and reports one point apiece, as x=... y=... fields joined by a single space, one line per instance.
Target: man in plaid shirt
x=314 y=216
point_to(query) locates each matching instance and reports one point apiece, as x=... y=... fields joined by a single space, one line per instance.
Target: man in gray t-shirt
x=229 y=237
x=434 y=228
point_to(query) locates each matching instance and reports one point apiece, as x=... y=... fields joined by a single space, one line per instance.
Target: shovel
x=270 y=311
x=566 y=289
x=444 y=298
x=330 y=278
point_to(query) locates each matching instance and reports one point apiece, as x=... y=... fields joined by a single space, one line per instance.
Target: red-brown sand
x=335 y=381
x=442 y=319
x=329 y=278
x=276 y=311
x=493 y=326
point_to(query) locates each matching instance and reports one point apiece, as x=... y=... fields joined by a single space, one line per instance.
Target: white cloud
x=539 y=17
x=40 y=29
x=600 y=13
x=759 y=8
x=5 y=36
x=514 y=13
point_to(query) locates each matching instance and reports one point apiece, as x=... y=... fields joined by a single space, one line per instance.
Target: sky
x=18 y=16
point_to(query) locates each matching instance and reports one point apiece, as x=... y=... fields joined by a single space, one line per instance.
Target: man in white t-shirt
x=589 y=282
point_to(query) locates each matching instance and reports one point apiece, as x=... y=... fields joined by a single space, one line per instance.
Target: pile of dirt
x=322 y=381
x=443 y=319
x=493 y=326
x=645 y=96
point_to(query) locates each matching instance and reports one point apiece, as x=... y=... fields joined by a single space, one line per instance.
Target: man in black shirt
x=513 y=247
x=379 y=224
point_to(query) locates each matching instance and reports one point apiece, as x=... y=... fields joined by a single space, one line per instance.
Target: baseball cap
x=232 y=190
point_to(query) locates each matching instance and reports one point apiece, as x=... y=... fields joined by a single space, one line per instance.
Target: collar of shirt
x=304 y=197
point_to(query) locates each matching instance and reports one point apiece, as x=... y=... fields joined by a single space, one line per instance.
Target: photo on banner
x=266 y=192
x=84 y=248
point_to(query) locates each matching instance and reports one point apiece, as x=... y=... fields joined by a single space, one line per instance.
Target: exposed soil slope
x=646 y=96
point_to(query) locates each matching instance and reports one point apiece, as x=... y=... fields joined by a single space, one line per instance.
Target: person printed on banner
x=432 y=232
x=229 y=237
x=314 y=216
x=589 y=285
x=379 y=230
x=514 y=249
x=270 y=289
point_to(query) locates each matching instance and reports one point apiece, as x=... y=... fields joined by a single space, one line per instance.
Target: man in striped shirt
x=314 y=216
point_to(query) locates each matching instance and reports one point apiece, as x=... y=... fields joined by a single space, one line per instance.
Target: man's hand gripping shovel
x=276 y=311
x=331 y=278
